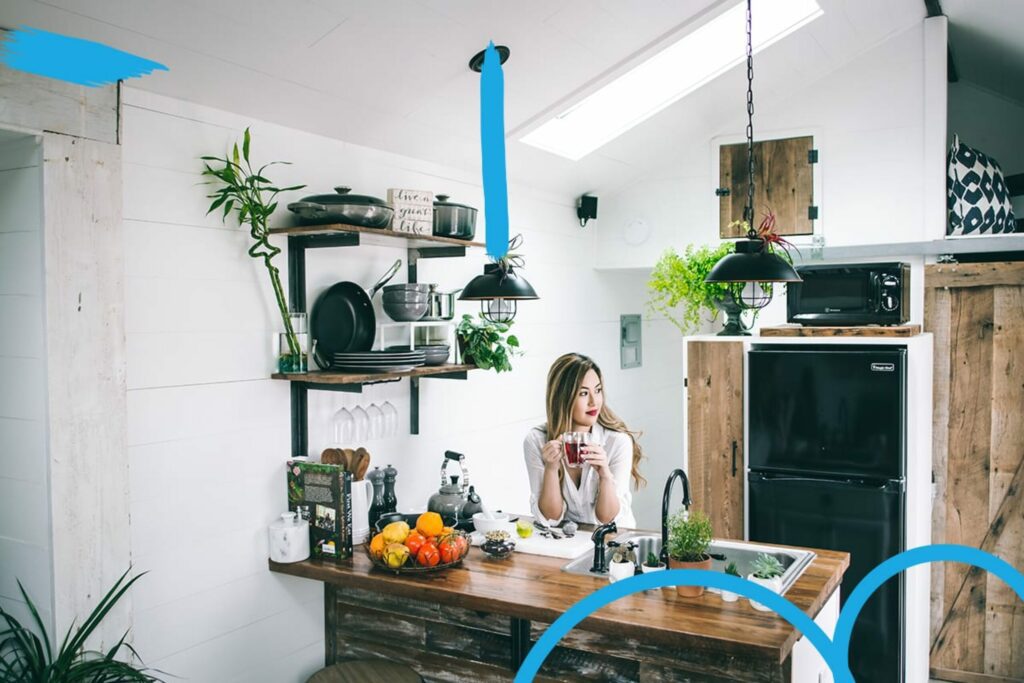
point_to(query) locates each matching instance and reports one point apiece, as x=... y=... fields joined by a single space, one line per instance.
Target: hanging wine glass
x=376 y=417
x=342 y=428
x=390 y=419
x=362 y=425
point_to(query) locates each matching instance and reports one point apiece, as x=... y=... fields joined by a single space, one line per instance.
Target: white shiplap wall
x=24 y=472
x=208 y=432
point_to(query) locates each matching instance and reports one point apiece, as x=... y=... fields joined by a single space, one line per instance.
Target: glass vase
x=294 y=359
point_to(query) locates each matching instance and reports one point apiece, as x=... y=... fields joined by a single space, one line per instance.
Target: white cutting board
x=567 y=548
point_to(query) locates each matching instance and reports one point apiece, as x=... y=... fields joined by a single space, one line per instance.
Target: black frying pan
x=343 y=320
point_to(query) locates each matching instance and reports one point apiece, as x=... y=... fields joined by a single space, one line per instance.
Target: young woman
x=598 y=492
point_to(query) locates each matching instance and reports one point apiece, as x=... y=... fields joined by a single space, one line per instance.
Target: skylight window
x=699 y=57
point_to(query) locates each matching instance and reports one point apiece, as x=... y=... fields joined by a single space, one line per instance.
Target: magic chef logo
x=835 y=651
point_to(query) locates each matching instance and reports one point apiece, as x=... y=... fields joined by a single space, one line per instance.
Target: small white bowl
x=499 y=523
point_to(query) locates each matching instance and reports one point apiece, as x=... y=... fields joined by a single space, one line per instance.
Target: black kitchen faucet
x=676 y=474
x=600 y=565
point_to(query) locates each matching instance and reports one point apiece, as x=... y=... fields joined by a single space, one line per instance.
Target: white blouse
x=578 y=504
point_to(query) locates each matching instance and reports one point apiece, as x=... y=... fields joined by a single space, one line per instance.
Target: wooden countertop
x=533 y=587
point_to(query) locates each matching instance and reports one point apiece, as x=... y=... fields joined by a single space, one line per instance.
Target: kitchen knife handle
x=734 y=458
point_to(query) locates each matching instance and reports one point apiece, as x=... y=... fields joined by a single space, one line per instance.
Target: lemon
x=395 y=555
x=396 y=532
x=524 y=528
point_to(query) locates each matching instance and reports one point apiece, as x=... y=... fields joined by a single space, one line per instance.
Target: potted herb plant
x=26 y=656
x=729 y=596
x=485 y=344
x=767 y=571
x=689 y=535
x=253 y=197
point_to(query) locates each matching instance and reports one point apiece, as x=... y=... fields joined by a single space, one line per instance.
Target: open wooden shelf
x=859 y=331
x=377 y=235
x=331 y=377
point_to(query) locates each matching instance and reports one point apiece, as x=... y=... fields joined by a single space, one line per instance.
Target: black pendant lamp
x=753 y=267
x=499 y=288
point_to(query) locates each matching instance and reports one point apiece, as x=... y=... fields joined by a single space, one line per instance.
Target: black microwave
x=850 y=294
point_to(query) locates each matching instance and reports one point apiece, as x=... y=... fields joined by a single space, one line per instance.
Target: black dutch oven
x=343 y=207
x=453 y=220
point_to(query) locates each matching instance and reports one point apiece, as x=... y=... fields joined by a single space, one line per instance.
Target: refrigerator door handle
x=874 y=484
x=734 y=458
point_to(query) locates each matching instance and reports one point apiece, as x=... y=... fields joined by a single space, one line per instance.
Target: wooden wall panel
x=715 y=424
x=975 y=312
x=35 y=103
x=783 y=181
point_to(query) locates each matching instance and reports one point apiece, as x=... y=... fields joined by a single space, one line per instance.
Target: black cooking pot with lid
x=453 y=220
x=343 y=207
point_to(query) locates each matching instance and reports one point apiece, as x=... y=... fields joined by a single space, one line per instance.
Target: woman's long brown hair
x=564 y=380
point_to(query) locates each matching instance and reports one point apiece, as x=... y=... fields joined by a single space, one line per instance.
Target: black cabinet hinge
x=812 y=213
x=812 y=156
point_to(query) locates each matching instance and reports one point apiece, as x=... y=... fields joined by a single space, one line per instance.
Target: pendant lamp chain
x=748 y=210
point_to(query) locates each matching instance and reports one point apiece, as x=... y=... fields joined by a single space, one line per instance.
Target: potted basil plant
x=689 y=536
x=767 y=572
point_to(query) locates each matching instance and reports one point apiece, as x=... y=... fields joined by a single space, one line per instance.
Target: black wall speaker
x=586 y=208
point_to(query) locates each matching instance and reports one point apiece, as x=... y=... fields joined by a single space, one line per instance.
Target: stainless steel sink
x=722 y=552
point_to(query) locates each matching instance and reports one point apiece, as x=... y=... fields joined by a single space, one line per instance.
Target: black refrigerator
x=827 y=459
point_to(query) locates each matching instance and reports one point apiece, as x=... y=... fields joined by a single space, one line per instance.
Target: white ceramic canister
x=362 y=497
x=289 y=538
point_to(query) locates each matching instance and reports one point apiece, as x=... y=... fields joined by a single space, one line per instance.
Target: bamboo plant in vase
x=689 y=536
x=253 y=198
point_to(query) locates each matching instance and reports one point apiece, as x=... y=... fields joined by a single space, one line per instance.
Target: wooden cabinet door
x=974 y=311
x=714 y=400
x=783 y=182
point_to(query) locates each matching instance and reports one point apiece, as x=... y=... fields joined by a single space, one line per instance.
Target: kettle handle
x=460 y=459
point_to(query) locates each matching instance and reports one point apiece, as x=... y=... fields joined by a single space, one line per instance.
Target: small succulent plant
x=766 y=566
x=731 y=569
x=652 y=560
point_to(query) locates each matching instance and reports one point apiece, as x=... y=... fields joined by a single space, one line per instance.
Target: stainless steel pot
x=440 y=305
x=453 y=220
x=351 y=209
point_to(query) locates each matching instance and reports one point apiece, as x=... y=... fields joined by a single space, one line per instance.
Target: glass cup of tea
x=572 y=443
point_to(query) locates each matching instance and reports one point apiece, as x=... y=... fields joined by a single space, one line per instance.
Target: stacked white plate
x=378 y=361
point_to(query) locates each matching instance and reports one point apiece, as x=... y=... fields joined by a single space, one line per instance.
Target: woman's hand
x=551 y=454
x=594 y=455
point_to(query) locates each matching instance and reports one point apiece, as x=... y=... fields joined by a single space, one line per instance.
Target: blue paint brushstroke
x=78 y=61
x=835 y=651
x=492 y=152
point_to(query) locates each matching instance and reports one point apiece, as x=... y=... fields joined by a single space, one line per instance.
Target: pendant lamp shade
x=751 y=262
x=498 y=290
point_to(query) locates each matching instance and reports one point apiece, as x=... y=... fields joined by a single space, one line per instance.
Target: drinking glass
x=343 y=428
x=572 y=442
x=362 y=425
x=390 y=419
x=294 y=359
x=376 y=416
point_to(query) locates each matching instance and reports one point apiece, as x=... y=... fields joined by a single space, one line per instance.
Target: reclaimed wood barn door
x=714 y=380
x=976 y=312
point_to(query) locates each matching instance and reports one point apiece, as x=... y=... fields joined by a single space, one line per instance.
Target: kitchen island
x=476 y=623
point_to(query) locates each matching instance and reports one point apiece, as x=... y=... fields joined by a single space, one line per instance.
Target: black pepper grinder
x=376 y=478
x=390 y=499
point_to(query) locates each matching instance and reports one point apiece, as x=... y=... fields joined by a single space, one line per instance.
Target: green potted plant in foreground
x=254 y=199
x=766 y=571
x=485 y=344
x=689 y=536
x=24 y=656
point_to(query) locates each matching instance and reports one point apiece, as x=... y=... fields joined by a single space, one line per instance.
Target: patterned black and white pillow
x=976 y=194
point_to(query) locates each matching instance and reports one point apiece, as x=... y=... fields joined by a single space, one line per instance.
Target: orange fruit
x=429 y=524
x=414 y=541
x=446 y=531
x=377 y=546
